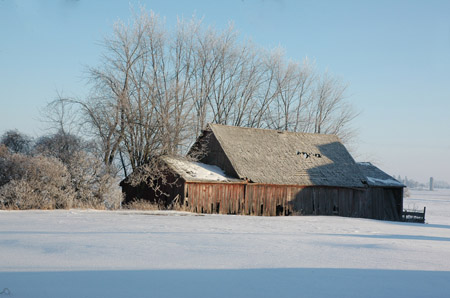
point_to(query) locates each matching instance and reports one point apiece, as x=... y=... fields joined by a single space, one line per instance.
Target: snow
x=388 y=182
x=198 y=171
x=437 y=203
x=87 y=253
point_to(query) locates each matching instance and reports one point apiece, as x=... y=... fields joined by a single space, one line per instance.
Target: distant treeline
x=410 y=183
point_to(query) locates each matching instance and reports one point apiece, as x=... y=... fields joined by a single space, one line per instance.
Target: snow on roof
x=191 y=170
x=376 y=177
x=387 y=182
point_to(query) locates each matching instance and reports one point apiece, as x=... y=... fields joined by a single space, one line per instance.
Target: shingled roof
x=280 y=157
x=376 y=177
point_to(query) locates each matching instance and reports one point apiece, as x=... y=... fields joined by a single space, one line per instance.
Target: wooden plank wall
x=223 y=198
x=271 y=200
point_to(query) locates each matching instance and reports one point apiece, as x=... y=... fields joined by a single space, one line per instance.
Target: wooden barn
x=269 y=172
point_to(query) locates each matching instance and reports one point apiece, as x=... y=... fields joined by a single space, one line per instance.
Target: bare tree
x=155 y=90
x=330 y=112
x=61 y=116
x=60 y=145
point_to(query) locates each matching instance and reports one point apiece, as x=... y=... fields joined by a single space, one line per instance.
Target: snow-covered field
x=79 y=253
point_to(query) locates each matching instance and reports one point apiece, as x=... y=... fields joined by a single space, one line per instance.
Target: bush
x=45 y=182
x=34 y=182
x=94 y=186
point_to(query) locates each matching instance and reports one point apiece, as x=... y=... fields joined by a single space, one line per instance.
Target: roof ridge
x=271 y=129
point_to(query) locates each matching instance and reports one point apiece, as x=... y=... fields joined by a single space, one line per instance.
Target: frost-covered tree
x=60 y=145
x=156 y=88
x=16 y=142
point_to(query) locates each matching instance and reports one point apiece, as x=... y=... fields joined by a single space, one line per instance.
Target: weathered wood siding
x=263 y=199
x=271 y=200
x=377 y=203
x=223 y=198
x=211 y=152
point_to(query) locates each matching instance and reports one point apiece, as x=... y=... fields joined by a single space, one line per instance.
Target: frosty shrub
x=45 y=182
x=110 y=192
x=4 y=165
x=94 y=186
x=34 y=182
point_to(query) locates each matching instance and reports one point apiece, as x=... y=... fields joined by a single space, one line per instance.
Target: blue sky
x=394 y=55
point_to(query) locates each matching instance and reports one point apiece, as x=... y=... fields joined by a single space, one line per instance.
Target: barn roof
x=197 y=171
x=376 y=177
x=290 y=158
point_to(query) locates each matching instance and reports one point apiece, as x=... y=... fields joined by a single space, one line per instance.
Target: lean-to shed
x=272 y=172
x=175 y=177
x=385 y=191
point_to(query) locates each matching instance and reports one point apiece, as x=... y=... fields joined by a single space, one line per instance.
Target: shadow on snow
x=295 y=282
